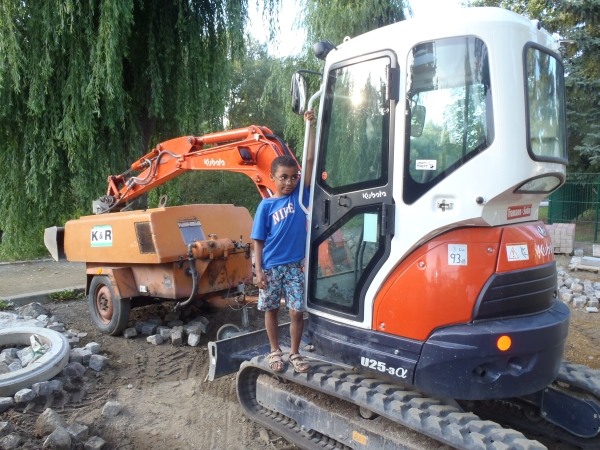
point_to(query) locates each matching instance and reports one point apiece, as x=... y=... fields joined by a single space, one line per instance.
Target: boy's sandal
x=298 y=363
x=275 y=359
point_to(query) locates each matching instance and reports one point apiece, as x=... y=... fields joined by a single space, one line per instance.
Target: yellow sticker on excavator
x=360 y=438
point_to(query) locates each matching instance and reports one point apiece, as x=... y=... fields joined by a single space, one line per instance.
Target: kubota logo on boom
x=370 y=195
x=213 y=162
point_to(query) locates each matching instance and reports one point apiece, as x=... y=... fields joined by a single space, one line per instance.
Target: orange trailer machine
x=184 y=253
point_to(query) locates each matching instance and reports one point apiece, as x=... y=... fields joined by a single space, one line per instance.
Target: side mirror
x=298 y=93
x=417 y=120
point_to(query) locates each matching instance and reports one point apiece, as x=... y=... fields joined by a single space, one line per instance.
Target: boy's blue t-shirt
x=281 y=223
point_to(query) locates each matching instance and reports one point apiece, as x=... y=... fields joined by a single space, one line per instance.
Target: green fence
x=578 y=201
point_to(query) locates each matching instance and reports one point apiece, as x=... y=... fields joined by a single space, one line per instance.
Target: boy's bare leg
x=296 y=328
x=272 y=328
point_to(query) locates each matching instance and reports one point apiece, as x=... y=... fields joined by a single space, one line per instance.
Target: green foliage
x=326 y=20
x=5 y=305
x=67 y=294
x=87 y=86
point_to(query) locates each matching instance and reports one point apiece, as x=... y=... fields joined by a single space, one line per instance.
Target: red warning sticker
x=324 y=175
x=516 y=212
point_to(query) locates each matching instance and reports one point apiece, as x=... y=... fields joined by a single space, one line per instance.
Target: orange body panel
x=425 y=292
x=226 y=221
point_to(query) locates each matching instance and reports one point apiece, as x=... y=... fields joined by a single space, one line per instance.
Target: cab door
x=353 y=209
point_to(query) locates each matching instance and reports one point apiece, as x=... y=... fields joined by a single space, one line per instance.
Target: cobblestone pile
x=580 y=294
x=171 y=329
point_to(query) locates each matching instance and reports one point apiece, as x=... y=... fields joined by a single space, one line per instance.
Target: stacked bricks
x=563 y=237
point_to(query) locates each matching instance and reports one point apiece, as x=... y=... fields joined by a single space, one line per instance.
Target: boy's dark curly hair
x=283 y=161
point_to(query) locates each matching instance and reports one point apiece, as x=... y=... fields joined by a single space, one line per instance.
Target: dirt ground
x=168 y=403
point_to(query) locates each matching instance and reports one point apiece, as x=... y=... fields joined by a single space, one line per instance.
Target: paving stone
x=193 y=340
x=138 y=325
x=175 y=323
x=565 y=297
x=155 y=320
x=32 y=309
x=568 y=282
x=577 y=288
x=73 y=341
x=93 y=348
x=596 y=286
x=593 y=302
x=4 y=428
x=201 y=325
x=42 y=318
x=7 y=359
x=10 y=442
x=4 y=368
x=24 y=396
x=165 y=332
x=579 y=302
x=130 y=333
x=591 y=309
x=26 y=356
x=176 y=336
x=95 y=443
x=12 y=352
x=73 y=369
x=195 y=328
x=56 y=385
x=80 y=355
x=98 y=362
x=155 y=339
x=5 y=403
x=149 y=329
x=47 y=422
x=15 y=366
x=57 y=319
x=56 y=326
x=42 y=388
x=59 y=439
x=78 y=432
x=111 y=409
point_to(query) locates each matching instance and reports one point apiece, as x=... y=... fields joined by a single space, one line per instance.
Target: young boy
x=279 y=235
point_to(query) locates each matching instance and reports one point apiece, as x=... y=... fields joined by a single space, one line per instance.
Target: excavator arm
x=245 y=150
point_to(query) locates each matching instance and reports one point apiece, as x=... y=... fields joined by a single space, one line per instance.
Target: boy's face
x=286 y=179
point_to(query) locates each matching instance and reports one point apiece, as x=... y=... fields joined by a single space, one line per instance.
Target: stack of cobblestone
x=563 y=237
x=578 y=293
x=172 y=329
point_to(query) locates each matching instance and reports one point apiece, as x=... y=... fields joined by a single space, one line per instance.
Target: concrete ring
x=43 y=369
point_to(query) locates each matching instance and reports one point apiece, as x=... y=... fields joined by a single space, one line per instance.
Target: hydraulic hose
x=194 y=274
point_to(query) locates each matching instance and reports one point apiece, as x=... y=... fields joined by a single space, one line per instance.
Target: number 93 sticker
x=457 y=254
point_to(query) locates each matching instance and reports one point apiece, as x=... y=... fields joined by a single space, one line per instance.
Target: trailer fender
x=121 y=279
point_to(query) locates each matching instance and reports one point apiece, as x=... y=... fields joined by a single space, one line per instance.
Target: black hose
x=194 y=274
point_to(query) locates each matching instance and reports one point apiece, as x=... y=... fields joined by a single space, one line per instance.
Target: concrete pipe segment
x=44 y=368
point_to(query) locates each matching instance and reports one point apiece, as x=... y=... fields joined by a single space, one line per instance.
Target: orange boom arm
x=246 y=150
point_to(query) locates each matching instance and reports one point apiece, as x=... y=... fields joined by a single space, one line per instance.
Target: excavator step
x=431 y=417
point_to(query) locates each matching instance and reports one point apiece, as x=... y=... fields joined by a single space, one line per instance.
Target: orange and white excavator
x=431 y=289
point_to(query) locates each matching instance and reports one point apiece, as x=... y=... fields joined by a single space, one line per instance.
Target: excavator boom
x=245 y=150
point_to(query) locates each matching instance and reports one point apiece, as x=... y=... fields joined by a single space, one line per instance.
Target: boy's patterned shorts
x=286 y=279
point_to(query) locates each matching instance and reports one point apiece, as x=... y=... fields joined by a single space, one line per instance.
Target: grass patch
x=543 y=214
x=67 y=294
x=5 y=305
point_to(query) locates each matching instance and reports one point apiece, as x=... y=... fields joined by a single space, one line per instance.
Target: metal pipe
x=194 y=274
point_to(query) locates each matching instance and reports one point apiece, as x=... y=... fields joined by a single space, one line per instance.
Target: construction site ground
x=168 y=403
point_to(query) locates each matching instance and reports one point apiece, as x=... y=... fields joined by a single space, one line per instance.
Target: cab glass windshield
x=546 y=105
x=449 y=110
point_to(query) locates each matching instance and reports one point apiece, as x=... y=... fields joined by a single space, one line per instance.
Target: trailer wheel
x=110 y=315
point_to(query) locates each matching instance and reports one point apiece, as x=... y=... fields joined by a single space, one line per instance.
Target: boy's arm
x=261 y=280
x=310 y=151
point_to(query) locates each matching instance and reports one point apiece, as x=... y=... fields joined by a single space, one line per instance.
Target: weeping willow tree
x=331 y=20
x=87 y=86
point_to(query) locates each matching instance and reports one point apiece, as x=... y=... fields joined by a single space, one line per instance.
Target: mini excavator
x=431 y=285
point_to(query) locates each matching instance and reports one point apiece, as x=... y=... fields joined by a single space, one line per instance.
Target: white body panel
x=496 y=172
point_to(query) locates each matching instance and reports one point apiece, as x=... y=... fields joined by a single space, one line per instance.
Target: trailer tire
x=109 y=314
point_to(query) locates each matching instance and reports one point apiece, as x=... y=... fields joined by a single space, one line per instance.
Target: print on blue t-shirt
x=281 y=223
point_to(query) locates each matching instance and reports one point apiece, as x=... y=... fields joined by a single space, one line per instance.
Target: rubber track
x=398 y=403
x=580 y=376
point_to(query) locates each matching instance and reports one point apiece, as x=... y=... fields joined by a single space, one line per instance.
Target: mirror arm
x=306 y=135
x=312 y=72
